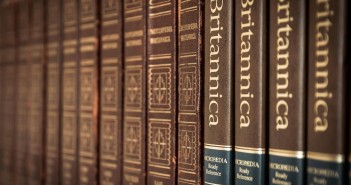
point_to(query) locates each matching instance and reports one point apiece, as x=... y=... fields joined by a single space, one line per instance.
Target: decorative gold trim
x=250 y=150
x=339 y=158
x=287 y=153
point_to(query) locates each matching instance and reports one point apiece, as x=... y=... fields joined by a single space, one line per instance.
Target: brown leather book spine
x=22 y=112
x=88 y=92
x=53 y=86
x=326 y=92
x=134 y=105
x=219 y=92
x=2 y=84
x=287 y=97
x=36 y=125
x=111 y=92
x=70 y=82
x=161 y=92
x=190 y=91
x=8 y=66
x=250 y=91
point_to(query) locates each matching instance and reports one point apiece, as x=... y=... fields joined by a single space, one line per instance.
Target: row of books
x=165 y=92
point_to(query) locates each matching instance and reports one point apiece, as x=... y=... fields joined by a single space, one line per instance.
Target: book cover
x=111 y=92
x=161 y=91
x=88 y=92
x=22 y=111
x=190 y=91
x=219 y=92
x=70 y=83
x=287 y=97
x=9 y=92
x=36 y=94
x=326 y=90
x=135 y=81
x=250 y=91
x=53 y=91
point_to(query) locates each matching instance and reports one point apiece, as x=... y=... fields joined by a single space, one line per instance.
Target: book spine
x=111 y=92
x=53 y=101
x=287 y=115
x=134 y=109
x=219 y=92
x=326 y=121
x=9 y=94
x=250 y=91
x=2 y=84
x=22 y=112
x=88 y=91
x=36 y=125
x=162 y=111
x=190 y=91
x=70 y=83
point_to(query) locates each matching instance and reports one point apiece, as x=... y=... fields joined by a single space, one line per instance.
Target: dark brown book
x=134 y=105
x=250 y=91
x=88 y=92
x=8 y=87
x=287 y=97
x=161 y=91
x=111 y=73
x=36 y=126
x=70 y=82
x=190 y=91
x=2 y=84
x=22 y=110
x=326 y=92
x=219 y=92
x=53 y=90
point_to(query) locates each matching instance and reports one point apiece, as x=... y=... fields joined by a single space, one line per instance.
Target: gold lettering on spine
x=215 y=31
x=282 y=74
x=321 y=65
x=245 y=62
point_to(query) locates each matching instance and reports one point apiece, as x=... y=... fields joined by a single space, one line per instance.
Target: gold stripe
x=109 y=165
x=287 y=153
x=132 y=162
x=211 y=183
x=159 y=166
x=134 y=18
x=130 y=169
x=160 y=14
x=109 y=22
x=159 y=5
x=218 y=148
x=134 y=58
x=339 y=158
x=250 y=150
x=163 y=120
x=159 y=174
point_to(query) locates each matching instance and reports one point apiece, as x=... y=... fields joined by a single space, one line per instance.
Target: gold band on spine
x=338 y=158
x=287 y=153
x=250 y=150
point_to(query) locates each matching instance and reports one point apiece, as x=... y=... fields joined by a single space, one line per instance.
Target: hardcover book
x=111 y=92
x=250 y=91
x=22 y=111
x=287 y=97
x=36 y=116
x=134 y=108
x=161 y=92
x=88 y=92
x=53 y=91
x=190 y=91
x=219 y=92
x=70 y=82
x=326 y=90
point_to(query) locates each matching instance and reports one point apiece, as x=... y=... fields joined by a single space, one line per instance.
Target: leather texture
x=111 y=88
x=161 y=91
x=135 y=96
x=190 y=91
x=70 y=98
